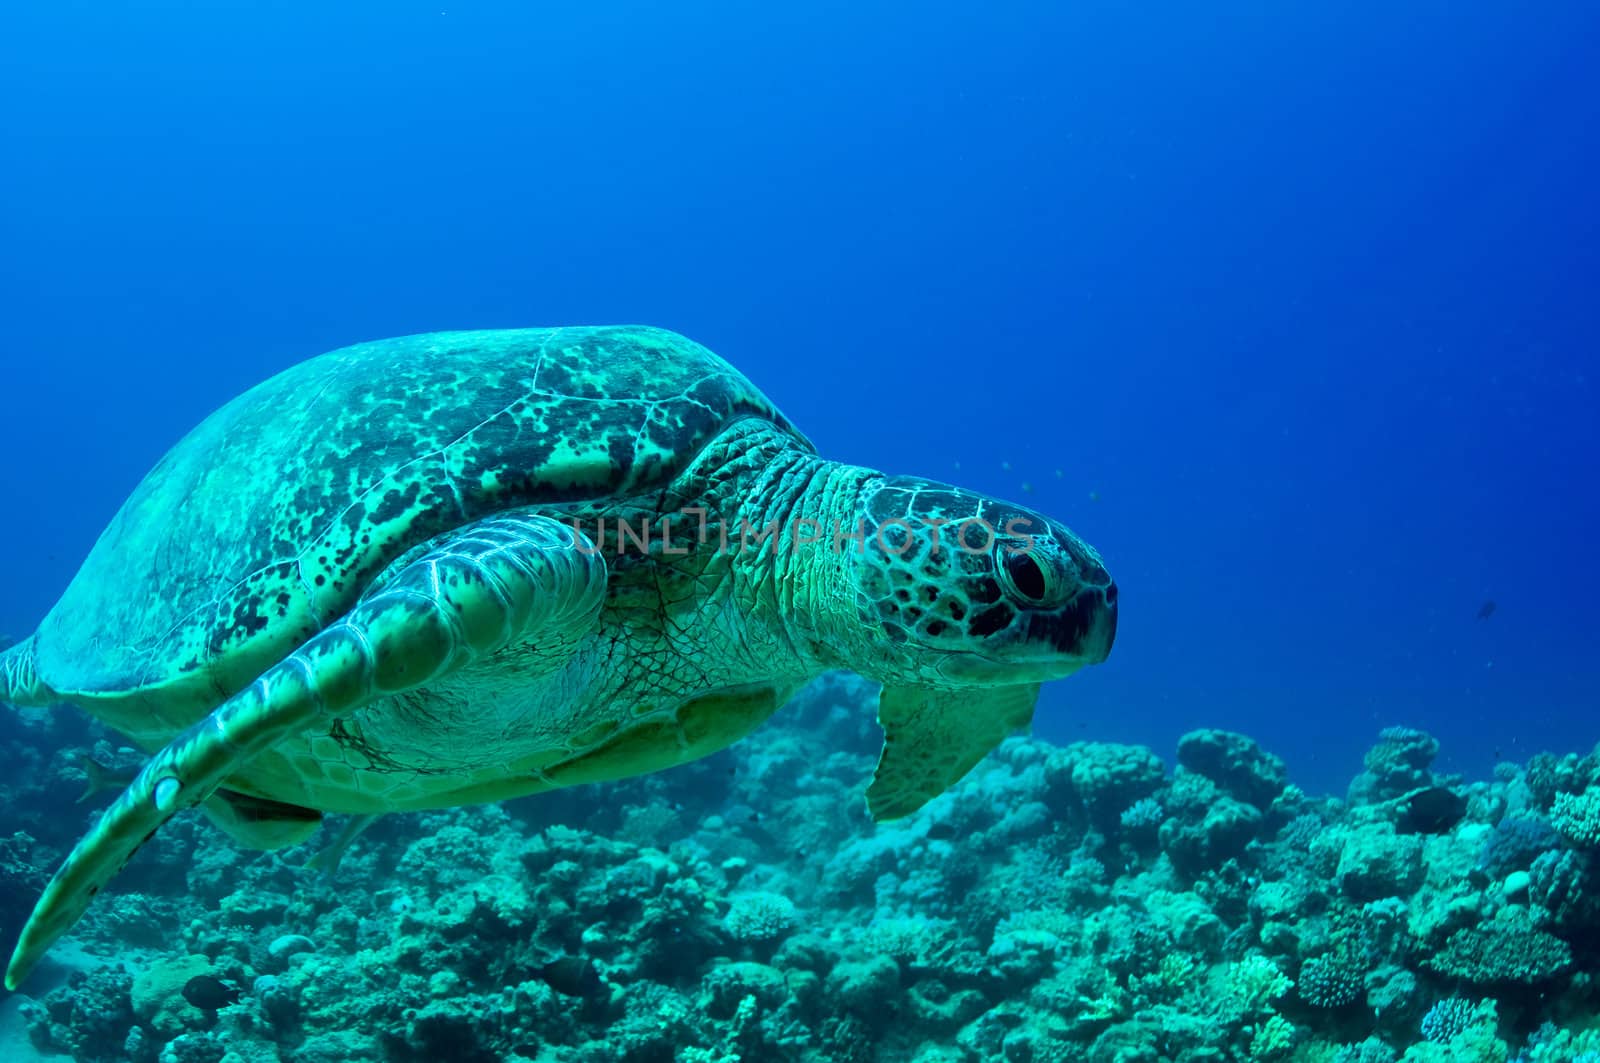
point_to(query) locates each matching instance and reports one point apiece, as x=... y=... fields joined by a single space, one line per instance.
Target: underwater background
x=1289 y=310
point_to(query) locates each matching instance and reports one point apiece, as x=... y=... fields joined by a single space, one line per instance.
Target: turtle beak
x=1103 y=627
x=1083 y=630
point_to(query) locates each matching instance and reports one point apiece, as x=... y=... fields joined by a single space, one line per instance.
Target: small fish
x=101 y=778
x=210 y=994
x=1431 y=810
x=573 y=976
x=1486 y=610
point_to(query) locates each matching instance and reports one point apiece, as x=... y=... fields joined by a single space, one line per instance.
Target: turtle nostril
x=1111 y=594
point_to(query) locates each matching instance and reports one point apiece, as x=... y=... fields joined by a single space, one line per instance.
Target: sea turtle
x=466 y=566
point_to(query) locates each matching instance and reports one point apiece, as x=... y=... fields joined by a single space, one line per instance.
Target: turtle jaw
x=978 y=670
x=1082 y=630
x=1054 y=645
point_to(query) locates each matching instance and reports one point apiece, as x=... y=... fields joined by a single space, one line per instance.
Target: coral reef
x=1081 y=902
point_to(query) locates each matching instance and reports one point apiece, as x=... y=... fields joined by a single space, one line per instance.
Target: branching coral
x=1330 y=981
x=1042 y=914
x=1509 y=949
x=1576 y=817
x=760 y=916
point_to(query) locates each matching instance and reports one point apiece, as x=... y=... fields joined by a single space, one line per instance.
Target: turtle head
x=957 y=589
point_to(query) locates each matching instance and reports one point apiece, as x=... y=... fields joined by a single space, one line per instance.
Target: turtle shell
x=270 y=518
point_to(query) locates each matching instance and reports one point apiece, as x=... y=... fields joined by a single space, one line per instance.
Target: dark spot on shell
x=395 y=503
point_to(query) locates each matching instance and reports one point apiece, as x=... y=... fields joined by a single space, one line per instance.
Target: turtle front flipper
x=475 y=592
x=931 y=738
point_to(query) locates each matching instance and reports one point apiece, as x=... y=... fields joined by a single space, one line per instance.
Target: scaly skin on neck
x=777 y=508
x=903 y=580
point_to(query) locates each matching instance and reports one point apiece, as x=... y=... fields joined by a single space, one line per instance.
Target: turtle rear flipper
x=476 y=591
x=258 y=822
x=326 y=861
x=19 y=677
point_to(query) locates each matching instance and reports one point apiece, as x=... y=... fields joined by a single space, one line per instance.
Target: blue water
x=1288 y=309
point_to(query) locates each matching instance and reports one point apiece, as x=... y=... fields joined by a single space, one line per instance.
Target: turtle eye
x=1027 y=580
